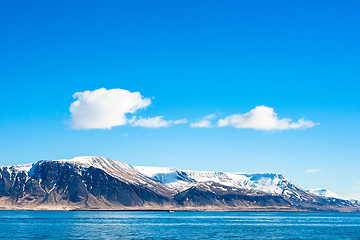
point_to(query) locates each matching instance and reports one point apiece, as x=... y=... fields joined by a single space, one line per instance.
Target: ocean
x=177 y=225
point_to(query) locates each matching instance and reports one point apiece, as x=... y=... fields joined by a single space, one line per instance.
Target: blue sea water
x=178 y=225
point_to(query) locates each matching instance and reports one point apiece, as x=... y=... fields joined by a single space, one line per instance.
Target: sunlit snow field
x=178 y=225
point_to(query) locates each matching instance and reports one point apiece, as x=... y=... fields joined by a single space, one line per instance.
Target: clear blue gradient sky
x=195 y=58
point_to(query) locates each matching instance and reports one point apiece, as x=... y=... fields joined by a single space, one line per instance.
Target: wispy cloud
x=180 y=121
x=210 y=116
x=155 y=122
x=315 y=170
x=204 y=122
x=263 y=118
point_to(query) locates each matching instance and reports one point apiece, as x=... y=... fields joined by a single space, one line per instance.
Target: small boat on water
x=171 y=211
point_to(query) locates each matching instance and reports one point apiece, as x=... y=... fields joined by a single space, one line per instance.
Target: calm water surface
x=178 y=225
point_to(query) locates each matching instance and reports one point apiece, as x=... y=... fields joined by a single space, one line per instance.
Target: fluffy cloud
x=155 y=122
x=315 y=170
x=204 y=122
x=104 y=108
x=263 y=118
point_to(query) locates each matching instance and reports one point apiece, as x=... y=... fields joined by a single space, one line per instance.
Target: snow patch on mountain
x=273 y=183
x=117 y=169
x=17 y=168
x=326 y=193
x=98 y=162
x=173 y=178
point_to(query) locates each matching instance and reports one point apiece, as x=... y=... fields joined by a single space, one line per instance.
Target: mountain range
x=97 y=183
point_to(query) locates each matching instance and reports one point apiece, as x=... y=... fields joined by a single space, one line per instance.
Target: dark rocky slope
x=60 y=184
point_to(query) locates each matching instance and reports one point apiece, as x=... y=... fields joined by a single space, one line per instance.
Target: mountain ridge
x=97 y=183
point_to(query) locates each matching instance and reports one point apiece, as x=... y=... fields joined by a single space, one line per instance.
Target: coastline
x=144 y=209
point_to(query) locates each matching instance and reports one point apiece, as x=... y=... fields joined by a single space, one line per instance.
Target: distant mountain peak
x=323 y=192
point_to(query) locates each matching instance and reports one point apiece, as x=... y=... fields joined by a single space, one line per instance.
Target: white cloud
x=263 y=118
x=180 y=121
x=210 y=116
x=204 y=122
x=155 y=122
x=315 y=170
x=201 y=124
x=104 y=108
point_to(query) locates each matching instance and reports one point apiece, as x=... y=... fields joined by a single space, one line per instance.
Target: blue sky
x=191 y=59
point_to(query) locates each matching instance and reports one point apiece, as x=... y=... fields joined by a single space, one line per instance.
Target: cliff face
x=100 y=183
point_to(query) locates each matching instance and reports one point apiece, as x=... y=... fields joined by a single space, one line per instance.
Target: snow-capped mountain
x=326 y=193
x=180 y=180
x=102 y=183
x=117 y=169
